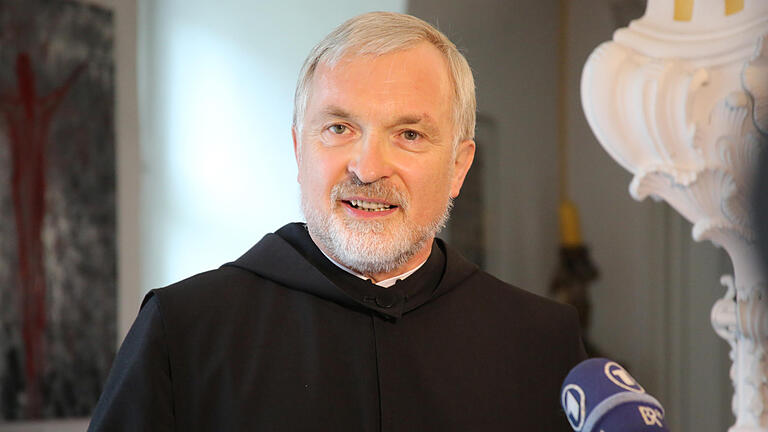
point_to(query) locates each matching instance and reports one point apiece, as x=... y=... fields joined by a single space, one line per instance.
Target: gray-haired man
x=358 y=320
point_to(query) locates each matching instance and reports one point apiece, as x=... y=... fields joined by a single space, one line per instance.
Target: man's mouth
x=370 y=206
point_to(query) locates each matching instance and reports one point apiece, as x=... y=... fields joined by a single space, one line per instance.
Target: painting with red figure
x=57 y=207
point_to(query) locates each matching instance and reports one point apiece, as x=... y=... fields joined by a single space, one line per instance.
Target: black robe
x=283 y=340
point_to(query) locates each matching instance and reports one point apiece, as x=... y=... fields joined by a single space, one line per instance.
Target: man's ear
x=465 y=154
x=296 y=155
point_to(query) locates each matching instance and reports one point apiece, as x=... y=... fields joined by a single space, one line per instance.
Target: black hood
x=290 y=258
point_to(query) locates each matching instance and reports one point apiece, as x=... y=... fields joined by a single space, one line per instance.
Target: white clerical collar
x=386 y=283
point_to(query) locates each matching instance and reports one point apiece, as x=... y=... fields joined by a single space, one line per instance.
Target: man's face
x=376 y=163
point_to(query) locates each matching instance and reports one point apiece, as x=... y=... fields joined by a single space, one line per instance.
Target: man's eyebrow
x=334 y=111
x=412 y=119
x=415 y=119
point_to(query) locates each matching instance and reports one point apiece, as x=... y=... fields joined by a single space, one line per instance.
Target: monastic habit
x=284 y=340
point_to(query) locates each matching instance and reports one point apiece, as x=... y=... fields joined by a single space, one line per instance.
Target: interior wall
x=651 y=304
x=216 y=83
x=128 y=163
x=511 y=47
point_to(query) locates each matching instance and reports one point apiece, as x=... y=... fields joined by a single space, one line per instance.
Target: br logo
x=651 y=416
x=619 y=376
x=573 y=401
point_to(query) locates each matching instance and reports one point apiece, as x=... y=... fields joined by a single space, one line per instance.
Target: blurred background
x=205 y=167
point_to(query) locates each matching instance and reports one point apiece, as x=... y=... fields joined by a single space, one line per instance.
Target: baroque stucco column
x=680 y=99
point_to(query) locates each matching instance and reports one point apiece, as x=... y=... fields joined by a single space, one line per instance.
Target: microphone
x=599 y=395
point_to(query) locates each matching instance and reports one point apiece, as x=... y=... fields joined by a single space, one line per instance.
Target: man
x=359 y=320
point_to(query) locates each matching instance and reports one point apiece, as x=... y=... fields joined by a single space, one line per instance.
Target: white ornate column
x=680 y=99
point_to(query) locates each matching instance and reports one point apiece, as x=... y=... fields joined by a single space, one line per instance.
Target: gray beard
x=370 y=247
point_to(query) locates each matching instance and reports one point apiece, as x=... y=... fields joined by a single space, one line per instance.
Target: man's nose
x=371 y=160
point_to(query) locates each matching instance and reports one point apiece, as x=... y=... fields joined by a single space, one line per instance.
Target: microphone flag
x=599 y=395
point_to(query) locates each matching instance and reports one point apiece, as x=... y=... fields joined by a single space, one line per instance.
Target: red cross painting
x=57 y=207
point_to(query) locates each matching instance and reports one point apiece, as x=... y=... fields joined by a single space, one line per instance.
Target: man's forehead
x=419 y=59
x=414 y=82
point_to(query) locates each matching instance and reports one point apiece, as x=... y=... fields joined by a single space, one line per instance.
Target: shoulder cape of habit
x=290 y=258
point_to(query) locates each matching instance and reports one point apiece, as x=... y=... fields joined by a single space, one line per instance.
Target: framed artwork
x=58 y=259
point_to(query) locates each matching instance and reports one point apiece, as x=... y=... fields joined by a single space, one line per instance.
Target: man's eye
x=338 y=129
x=411 y=135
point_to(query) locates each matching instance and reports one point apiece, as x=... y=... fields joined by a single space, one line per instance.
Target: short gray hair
x=378 y=33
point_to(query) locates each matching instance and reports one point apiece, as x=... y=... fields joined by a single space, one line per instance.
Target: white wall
x=216 y=82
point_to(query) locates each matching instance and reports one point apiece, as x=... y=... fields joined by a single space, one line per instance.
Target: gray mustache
x=380 y=190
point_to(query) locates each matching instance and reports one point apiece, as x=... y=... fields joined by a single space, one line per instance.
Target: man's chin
x=370 y=247
x=371 y=229
x=367 y=226
x=373 y=255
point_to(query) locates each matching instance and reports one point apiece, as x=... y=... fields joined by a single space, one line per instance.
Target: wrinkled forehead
x=416 y=77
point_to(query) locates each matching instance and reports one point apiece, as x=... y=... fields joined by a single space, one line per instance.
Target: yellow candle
x=684 y=10
x=733 y=6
